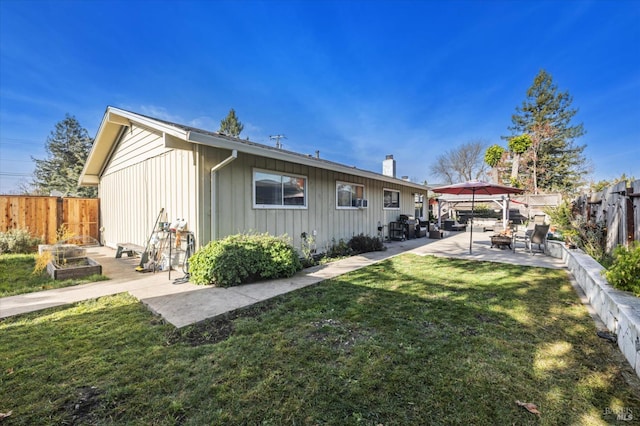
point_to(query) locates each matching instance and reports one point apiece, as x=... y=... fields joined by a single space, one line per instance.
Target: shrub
x=308 y=249
x=590 y=237
x=18 y=241
x=624 y=273
x=243 y=258
x=64 y=234
x=42 y=260
x=365 y=244
x=483 y=210
x=339 y=249
x=561 y=216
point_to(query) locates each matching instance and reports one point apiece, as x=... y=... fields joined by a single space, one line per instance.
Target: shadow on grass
x=410 y=340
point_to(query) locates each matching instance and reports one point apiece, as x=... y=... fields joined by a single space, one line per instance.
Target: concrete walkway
x=183 y=303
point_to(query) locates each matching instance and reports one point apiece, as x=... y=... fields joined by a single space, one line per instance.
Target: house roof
x=116 y=121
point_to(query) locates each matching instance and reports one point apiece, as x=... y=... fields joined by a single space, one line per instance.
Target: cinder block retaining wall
x=618 y=310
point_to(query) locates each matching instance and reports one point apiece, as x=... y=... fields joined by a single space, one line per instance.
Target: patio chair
x=537 y=235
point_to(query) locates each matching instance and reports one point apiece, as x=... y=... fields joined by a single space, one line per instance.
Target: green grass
x=409 y=341
x=17 y=277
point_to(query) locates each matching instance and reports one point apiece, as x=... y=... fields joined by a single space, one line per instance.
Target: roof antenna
x=277 y=139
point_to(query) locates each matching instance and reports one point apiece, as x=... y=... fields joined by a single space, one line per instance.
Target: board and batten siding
x=235 y=212
x=137 y=144
x=143 y=177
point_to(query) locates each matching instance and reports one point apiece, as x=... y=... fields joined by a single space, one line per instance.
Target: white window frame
x=351 y=207
x=279 y=206
x=390 y=190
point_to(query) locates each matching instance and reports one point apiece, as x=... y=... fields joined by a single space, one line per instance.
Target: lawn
x=17 y=277
x=408 y=341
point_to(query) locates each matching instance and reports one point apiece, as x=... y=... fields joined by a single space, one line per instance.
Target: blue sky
x=356 y=80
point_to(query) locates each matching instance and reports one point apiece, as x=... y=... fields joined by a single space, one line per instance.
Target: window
x=391 y=199
x=419 y=205
x=276 y=190
x=348 y=194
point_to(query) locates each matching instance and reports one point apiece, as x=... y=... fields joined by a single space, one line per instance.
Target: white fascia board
x=122 y=119
x=85 y=179
x=89 y=180
x=117 y=115
x=276 y=154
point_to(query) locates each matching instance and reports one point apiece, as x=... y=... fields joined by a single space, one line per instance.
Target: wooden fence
x=618 y=209
x=44 y=216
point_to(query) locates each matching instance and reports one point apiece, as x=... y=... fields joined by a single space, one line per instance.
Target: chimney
x=389 y=166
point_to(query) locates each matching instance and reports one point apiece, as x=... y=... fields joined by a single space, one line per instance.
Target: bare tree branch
x=463 y=163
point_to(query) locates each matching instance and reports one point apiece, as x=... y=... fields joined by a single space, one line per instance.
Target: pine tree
x=68 y=147
x=555 y=161
x=230 y=126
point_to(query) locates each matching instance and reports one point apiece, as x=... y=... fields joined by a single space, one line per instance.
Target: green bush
x=339 y=249
x=243 y=258
x=365 y=244
x=561 y=216
x=18 y=241
x=592 y=238
x=624 y=273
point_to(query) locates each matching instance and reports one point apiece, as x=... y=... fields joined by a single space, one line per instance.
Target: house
x=223 y=185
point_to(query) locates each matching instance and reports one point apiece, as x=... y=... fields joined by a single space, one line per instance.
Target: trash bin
x=422 y=228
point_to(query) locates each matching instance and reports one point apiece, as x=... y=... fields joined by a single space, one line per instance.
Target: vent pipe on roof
x=389 y=166
x=317 y=153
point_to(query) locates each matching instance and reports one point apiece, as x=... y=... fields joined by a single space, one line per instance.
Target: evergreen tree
x=231 y=126
x=555 y=162
x=68 y=147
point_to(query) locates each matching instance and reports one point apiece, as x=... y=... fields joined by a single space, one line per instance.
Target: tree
x=231 y=126
x=461 y=164
x=68 y=147
x=604 y=184
x=518 y=145
x=555 y=162
x=493 y=158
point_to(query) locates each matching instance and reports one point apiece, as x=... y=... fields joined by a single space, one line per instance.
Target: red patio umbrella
x=472 y=188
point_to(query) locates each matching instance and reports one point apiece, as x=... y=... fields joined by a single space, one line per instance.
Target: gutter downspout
x=214 y=178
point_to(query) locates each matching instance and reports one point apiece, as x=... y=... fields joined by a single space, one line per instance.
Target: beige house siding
x=236 y=213
x=134 y=196
x=142 y=165
x=137 y=144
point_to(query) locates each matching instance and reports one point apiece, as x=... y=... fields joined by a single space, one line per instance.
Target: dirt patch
x=469 y=331
x=218 y=329
x=487 y=319
x=338 y=335
x=80 y=409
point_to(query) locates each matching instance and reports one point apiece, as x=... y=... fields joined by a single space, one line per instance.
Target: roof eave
x=113 y=123
x=278 y=154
